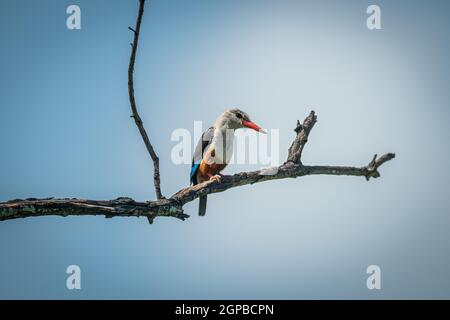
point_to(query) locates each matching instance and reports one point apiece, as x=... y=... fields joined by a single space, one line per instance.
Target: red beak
x=253 y=126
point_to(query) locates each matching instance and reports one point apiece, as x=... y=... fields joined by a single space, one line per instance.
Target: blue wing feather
x=204 y=142
x=194 y=169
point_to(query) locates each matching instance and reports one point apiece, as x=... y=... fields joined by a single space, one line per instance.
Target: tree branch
x=135 y=114
x=173 y=207
x=296 y=149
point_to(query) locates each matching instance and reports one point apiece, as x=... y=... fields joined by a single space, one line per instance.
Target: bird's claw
x=216 y=178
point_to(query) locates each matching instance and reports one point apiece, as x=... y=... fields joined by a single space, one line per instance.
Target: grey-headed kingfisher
x=215 y=148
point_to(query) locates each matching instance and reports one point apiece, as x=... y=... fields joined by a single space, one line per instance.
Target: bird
x=215 y=148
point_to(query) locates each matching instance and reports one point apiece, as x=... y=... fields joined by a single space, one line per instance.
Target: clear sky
x=65 y=131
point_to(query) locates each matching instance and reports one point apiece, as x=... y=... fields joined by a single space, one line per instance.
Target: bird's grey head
x=235 y=119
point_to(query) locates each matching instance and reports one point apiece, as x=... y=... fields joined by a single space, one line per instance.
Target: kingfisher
x=215 y=148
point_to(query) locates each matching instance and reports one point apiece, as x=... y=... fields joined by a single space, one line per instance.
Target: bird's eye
x=239 y=115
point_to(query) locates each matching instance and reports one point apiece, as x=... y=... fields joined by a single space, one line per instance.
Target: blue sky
x=65 y=131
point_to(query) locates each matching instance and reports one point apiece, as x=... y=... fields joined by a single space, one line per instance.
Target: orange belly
x=207 y=170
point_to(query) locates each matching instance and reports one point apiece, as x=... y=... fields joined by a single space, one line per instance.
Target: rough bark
x=296 y=149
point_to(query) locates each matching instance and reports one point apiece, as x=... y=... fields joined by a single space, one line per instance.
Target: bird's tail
x=202 y=206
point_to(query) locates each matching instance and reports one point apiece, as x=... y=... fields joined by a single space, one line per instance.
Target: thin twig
x=135 y=114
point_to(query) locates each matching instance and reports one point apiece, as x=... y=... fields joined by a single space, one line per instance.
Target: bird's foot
x=216 y=177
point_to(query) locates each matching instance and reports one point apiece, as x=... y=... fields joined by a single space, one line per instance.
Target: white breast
x=222 y=144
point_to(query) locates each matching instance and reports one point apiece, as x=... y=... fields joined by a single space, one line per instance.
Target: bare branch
x=373 y=166
x=135 y=114
x=121 y=207
x=173 y=207
x=296 y=149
